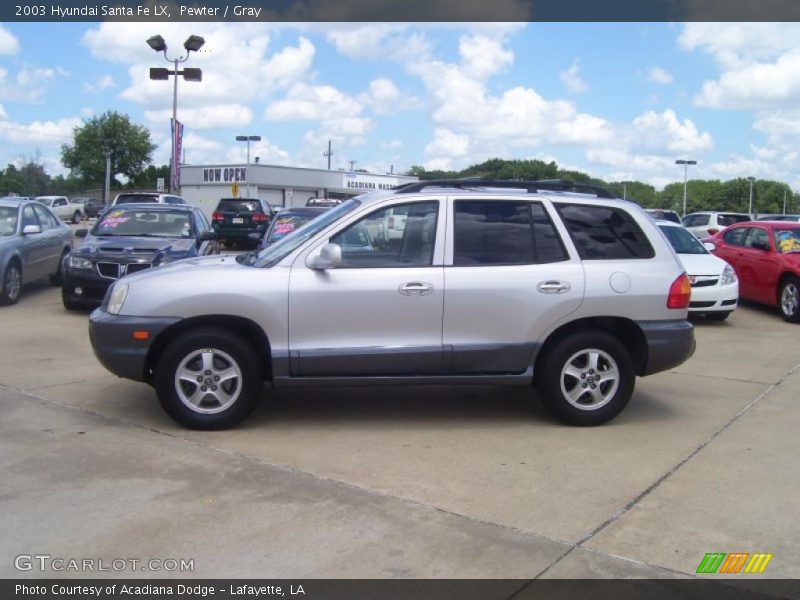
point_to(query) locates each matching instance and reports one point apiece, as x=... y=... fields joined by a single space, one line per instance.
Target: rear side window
x=696 y=220
x=735 y=237
x=601 y=232
x=494 y=232
x=727 y=219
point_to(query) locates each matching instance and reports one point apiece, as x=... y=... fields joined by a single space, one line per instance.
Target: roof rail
x=555 y=185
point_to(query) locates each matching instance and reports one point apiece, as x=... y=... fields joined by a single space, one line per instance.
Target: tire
x=718 y=315
x=220 y=351
x=593 y=406
x=789 y=299
x=57 y=277
x=12 y=284
x=76 y=217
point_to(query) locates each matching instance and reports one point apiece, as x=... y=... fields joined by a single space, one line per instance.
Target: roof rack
x=555 y=185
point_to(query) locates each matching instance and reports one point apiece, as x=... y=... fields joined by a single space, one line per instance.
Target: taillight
x=217 y=216
x=259 y=217
x=390 y=223
x=680 y=292
x=713 y=231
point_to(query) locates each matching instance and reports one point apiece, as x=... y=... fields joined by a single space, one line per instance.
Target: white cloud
x=44 y=133
x=204 y=117
x=8 y=42
x=659 y=76
x=104 y=83
x=29 y=84
x=384 y=98
x=482 y=57
x=266 y=152
x=571 y=79
x=393 y=145
x=663 y=133
x=448 y=144
x=313 y=103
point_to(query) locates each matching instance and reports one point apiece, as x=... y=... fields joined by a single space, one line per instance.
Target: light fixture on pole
x=248 y=139
x=685 y=164
x=192 y=44
x=750 y=209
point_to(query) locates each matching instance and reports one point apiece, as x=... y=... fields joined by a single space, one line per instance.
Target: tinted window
x=728 y=219
x=239 y=205
x=173 y=200
x=600 y=232
x=735 y=237
x=696 y=220
x=132 y=198
x=756 y=237
x=400 y=236
x=492 y=232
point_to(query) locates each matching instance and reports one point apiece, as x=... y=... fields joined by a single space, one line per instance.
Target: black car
x=287 y=220
x=129 y=239
x=241 y=220
x=91 y=206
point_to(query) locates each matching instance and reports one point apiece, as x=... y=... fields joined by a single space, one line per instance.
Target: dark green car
x=241 y=220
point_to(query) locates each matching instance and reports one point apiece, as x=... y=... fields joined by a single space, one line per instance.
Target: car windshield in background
x=277 y=251
x=682 y=241
x=238 y=205
x=8 y=220
x=287 y=223
x=144 y=223
x=728 y=220
x=787 y=241
x=135 y=198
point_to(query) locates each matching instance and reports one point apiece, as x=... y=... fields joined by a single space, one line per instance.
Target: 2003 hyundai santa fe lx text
x=543 y=284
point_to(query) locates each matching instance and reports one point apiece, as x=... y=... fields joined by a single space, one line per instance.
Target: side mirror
x=31 y=229
x=710 y=246
x=329 y=256
x=81 y=233
x=207 y=236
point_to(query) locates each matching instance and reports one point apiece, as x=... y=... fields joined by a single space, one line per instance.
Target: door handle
x=416 y=288
x=553 y=287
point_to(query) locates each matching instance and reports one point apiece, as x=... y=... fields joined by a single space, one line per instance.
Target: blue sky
x=620 y=101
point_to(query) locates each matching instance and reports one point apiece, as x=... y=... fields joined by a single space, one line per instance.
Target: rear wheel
x=209 y=379
x=586 y=378
x=718 y=316
x=789 y=299
x=12 y=284
x=76 y=217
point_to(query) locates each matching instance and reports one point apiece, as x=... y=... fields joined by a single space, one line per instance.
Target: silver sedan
x=33 y=244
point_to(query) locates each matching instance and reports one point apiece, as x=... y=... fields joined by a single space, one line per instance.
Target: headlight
x=117 y=298
x=78 y=262
x=728 y=276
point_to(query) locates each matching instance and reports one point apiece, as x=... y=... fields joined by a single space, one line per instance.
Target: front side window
x=757 y=238
x=500 y=232
x=28 y=216
x=602 y=232
x=44 y=217
x=402 y=235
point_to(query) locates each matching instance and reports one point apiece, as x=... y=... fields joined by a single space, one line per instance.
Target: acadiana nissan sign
x=358 y=181
x=225 y=175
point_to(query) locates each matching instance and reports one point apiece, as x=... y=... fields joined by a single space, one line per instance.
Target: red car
x=766 y=258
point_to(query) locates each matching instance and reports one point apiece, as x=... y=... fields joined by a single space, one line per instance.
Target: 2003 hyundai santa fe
x=541 y=284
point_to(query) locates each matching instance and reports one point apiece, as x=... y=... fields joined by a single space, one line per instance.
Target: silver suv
x=507 y=283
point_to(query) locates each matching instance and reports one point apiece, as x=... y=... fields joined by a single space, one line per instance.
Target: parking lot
x=424 y=482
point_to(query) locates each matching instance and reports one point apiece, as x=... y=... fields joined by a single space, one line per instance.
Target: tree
x=129 y=144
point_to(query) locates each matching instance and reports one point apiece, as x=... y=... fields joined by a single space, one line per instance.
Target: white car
x=715 y=288
x=63 y=208
x=706 y=224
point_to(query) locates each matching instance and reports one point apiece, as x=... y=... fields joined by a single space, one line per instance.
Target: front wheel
x=586 y=378
x=209 y=379
x=789 y=299
x=12 y=284
x=76 y=217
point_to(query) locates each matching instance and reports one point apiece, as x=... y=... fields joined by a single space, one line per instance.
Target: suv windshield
x=135 y=198
x=239 y=205
x=144 y=223
x=277 y=251
x=683 y=241
x=787 y=240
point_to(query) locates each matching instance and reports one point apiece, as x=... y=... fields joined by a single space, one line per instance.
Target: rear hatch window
x=238 y=205
x=729 y=219
x=135 y=198
x=240 y=212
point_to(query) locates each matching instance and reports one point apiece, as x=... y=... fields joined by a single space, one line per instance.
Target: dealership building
x=204 y=185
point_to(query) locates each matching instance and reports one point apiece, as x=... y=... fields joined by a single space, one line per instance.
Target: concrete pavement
x=417 y=482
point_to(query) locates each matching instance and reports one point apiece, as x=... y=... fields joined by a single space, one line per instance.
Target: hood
x=139 y=247
x=702 y=264
x=191 y=267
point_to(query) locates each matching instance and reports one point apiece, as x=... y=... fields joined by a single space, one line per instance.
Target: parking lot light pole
x=750 y=209
x=248 y=139
x=685 y=164
x=192 y=44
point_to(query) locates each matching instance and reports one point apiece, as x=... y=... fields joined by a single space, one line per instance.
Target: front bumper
x=669 y=344
x=714 y=298
x=93 y=287
x=114 y=345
